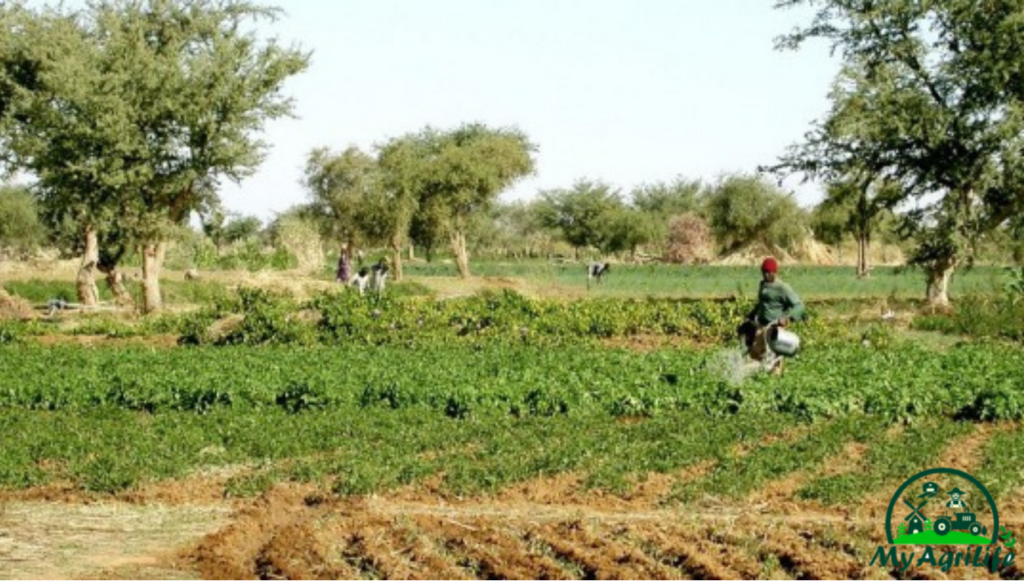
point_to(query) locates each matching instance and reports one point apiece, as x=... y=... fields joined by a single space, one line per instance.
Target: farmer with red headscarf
x=776 y=303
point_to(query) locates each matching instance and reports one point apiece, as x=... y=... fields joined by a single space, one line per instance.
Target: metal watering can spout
x=783 y=342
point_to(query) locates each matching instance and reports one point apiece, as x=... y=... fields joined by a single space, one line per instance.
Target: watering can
x=783 y=342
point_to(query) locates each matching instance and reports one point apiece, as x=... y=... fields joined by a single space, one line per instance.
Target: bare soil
x=53 y=540
x=548 y=528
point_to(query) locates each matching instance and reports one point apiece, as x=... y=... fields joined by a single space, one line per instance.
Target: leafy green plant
x=300 y=396
x=267 y=319
x=1014 y=288
x=9 y=332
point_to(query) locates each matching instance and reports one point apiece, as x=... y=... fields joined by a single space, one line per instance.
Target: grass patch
x=740 y=474
x=39 y=292
x=812 y=282
x=888 y=460
x=1000 y=467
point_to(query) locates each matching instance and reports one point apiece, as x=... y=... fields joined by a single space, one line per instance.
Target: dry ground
x=547 y=528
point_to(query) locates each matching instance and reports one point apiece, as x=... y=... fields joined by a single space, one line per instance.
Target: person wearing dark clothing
x=344 y=266
x=596 y=271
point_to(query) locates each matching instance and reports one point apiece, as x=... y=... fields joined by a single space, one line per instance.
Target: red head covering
x=770 y=265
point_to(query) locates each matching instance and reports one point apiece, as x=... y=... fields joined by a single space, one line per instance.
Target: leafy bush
x=107 y=326
x=300 y=396
x=1015 y=287
x=267 y=319
x=979 y=316
x=10 y=332
x=513 y=318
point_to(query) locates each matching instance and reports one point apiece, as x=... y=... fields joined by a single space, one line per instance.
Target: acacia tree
x=469 y=168
x=857 y=204
x=429 y=225
x=628 y=229
x=746 y=210
x=56 y=122
x=138 y=109
x=666 y=200
x=405 y=174
x=580 y=212
x=451 y=177
x=341 y=186
x=929 y=99
x=20 y=228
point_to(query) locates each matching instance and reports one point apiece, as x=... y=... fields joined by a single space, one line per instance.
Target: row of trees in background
x=382 y=199
x=680 y=221
x=430 y=186
x=129 y=114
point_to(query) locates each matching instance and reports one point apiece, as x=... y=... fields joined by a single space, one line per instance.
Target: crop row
x=904 y=382
x=349 y=318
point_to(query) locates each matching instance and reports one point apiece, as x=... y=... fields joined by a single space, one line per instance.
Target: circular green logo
x=958 y=525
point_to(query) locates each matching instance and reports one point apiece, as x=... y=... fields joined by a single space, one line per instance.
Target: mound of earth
x=753 y=255
x=13 y=307
x=815 y=253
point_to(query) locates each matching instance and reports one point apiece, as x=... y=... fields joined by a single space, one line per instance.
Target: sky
x=624 y=91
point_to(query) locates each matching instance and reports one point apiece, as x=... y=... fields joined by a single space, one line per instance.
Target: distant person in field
x=344 y=266
x=596 y=271
x=776 y=303
x=380 y=275
x=361 y=280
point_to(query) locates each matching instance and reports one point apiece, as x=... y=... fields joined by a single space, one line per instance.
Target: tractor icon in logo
x=959 y=520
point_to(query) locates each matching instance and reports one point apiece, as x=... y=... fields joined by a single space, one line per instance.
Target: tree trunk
x=938 y=283
x=152 y=263
x=461 y=255
x=88 y=294
x=115 y=281
x=396 y=259
x=863 y=248
x=412 y=252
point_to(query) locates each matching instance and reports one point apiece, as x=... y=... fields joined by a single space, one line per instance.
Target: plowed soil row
x=292 y=533
x=550 y=528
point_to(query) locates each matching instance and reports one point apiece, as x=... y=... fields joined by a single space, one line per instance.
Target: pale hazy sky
x=627 y=91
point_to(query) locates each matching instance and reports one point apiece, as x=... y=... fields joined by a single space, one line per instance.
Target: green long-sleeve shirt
x=776 y=300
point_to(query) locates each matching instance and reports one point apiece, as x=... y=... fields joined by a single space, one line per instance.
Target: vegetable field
x=504 y=436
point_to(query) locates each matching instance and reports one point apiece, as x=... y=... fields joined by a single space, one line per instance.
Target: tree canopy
x=138 y=109
x=746 y=210
x=20 y=227
x=581 y=212
x=929 y=99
